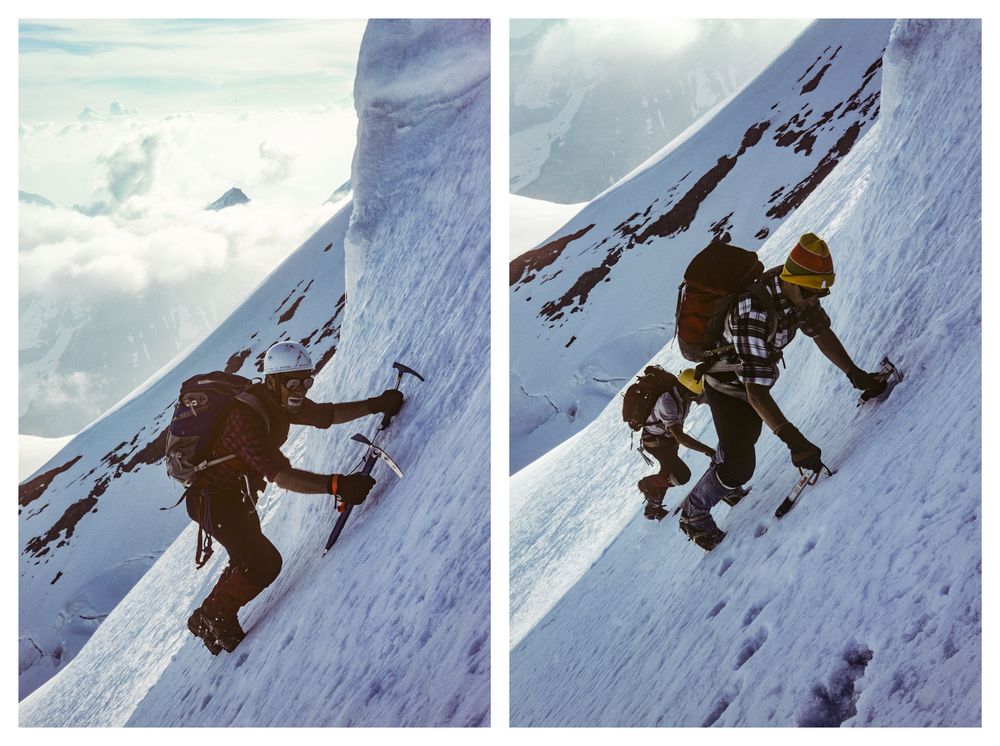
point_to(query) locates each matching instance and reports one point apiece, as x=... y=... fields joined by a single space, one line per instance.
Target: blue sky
x=160 y=66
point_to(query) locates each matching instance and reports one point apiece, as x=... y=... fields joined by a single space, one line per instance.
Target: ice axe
x=374 y=454
x=806 y=479
x=889 y=373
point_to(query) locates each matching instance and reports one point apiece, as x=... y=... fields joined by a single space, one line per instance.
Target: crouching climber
x=659 y=403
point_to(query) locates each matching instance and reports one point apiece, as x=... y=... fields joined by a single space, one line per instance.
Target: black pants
x=738 y=426
x=233 y=521
x=664 y=450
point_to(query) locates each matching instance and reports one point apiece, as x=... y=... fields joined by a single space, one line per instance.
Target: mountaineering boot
x=653 y=488
x=225 y=630
x=217 y=621
x=731 y=498
x=654 y=508
x=199 y=628
x=702 y=531
x=696 y=521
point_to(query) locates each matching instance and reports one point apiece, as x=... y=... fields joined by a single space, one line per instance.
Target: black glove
x=805 y=455
x=869 y=383
x=354 y=488
x=390 y=402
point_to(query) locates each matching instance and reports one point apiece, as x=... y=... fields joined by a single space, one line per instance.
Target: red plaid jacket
x=258 y=450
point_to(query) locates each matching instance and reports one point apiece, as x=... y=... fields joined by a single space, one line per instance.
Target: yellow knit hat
x=809 y=264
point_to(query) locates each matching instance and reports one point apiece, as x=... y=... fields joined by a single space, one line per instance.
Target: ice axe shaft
x=374 y=454
x=806 y=478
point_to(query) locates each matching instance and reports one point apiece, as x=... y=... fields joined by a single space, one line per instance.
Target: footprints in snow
x=752 y=613
x=750 y=646
x=917 y=626
x=716 y=609
x=830 y=703
x=748 y=618
x=721 y=706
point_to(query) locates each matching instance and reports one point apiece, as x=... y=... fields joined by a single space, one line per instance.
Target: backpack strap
x=203 y=549
x=761 y=294
x=257 y=406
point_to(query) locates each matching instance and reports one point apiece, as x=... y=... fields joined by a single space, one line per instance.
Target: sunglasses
x=808 y=293
x=294 y=384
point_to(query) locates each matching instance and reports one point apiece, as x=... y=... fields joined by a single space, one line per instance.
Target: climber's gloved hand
x=351 y=488
x=389 y=402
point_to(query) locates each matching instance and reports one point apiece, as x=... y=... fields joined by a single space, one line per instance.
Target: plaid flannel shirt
x=243 y=434
x=749 y=327
x=258 y=453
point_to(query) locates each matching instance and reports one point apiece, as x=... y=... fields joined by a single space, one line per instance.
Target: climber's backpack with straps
x=641 y=396
x=203 y=403
x=713 y=281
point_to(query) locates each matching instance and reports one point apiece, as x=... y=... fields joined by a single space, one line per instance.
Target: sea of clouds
x=129 y=232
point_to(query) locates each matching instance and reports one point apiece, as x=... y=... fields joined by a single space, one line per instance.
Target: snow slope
x=392 y=626
x=597 y=300
x=863 y=605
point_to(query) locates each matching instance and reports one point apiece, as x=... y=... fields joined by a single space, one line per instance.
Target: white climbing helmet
x=287 y=357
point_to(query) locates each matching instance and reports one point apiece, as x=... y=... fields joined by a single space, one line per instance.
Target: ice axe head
x=402 y=370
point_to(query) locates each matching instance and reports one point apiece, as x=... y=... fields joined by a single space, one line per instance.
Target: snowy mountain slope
x=88 y=521
x=863 y=605
x=341 y=192
x=597 y=300
x=581 y=117
x=391 y=627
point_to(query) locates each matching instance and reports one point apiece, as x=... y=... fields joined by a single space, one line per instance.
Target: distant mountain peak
x=342 y=191
x=234 y=196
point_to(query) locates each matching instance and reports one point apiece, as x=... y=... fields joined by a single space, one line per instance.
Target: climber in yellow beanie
x=761 y=323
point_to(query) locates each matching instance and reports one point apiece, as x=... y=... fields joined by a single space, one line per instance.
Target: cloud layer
x=583 y=48
x=131 y=128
